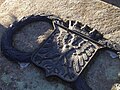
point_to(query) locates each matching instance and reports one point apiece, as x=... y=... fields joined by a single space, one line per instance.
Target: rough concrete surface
x=101 y=74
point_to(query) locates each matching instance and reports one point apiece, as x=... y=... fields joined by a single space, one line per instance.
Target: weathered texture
x=100 y=15
x=1 y=1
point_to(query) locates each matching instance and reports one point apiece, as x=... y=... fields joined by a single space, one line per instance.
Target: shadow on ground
x=113 y=2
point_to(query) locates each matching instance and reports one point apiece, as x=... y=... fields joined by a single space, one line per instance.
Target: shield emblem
x=64 y=54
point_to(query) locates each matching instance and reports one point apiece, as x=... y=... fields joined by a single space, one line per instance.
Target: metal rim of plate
x=7 y=47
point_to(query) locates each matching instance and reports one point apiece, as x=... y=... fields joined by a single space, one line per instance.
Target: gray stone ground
x=102 y=73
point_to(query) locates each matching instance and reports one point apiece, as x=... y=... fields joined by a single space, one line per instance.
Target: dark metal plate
x=64 y=54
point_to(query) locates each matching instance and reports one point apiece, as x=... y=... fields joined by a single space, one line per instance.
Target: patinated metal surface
x=64 y=54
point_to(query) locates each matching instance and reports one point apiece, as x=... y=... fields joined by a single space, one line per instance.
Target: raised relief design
x=64 y=54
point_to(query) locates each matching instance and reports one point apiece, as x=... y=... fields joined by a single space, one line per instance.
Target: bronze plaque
x=64 y=54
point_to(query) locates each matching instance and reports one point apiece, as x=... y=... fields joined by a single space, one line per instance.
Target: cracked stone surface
x=103 y=71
